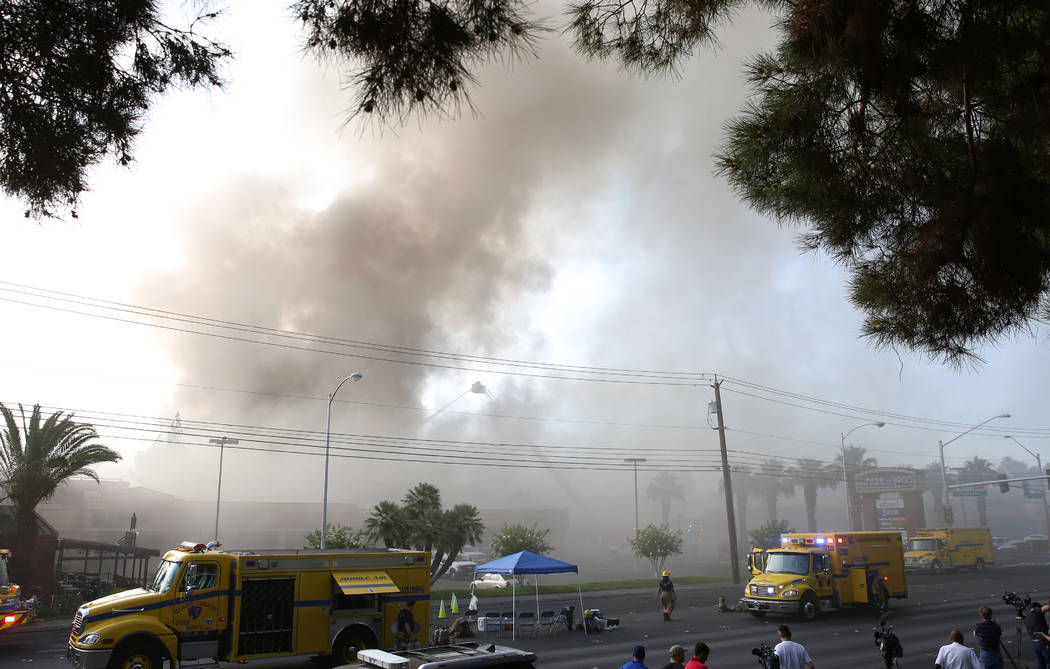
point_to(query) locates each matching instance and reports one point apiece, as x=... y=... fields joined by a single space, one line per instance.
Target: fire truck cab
x=231 y=606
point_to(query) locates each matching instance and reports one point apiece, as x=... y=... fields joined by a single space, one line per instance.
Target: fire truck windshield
x=922 y=545
x=165 y=576
x=787 y=563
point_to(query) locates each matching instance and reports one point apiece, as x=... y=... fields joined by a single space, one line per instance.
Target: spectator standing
x=1035 y=621
x=699 y=658
x=988 y=633
x=954 y=655
x=792 y=655
x=677 y=655
x=637 y=659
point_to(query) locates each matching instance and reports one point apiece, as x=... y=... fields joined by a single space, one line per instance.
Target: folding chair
x=506 y=619
x=546 y=620
x=527 y=619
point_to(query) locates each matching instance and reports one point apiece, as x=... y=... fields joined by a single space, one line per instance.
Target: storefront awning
x=364 y=582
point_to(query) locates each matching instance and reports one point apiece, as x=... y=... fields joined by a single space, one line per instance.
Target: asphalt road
x=936 y=606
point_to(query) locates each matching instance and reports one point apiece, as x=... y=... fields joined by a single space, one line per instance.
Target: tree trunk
x=809 y=493
x=23 y=552
x=743 y=539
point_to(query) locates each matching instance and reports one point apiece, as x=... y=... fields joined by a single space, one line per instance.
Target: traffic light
x=1004 y=487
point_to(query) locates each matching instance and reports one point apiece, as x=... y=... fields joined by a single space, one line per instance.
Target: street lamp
x=356 y=376
x=845 y=478
x=221 y=441
x=635 y=461
x=944 y=474
x=1039 y=464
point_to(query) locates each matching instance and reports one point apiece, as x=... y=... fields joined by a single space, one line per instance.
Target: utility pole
x=635 y=461
x=727 y=485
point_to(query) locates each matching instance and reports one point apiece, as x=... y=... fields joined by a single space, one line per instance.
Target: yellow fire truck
x=212 y=605
x=932 y=550
x=13 y=609
x=811 y=573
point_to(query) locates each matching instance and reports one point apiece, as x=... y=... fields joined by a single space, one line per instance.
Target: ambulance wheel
x=136 y=655
x=808 y=608
x=879 y=599
x=979 y=565
x=347 y=645
x=758 y=614
x=936 y=567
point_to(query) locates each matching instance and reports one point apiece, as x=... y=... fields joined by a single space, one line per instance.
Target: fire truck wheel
x=758 y=614
x=346 y=647
x=136 y=655
x=808 y=607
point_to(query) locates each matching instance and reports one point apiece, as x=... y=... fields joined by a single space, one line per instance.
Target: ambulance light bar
x=374 y=657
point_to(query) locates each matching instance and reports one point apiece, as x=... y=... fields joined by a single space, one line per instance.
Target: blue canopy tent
x=527 y=562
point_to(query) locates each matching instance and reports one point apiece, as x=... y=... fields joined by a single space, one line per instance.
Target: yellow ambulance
x=933 y=550
x=813 y=573
x=212 y=605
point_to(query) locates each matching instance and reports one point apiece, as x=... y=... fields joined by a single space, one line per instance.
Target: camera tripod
x=1018 y=621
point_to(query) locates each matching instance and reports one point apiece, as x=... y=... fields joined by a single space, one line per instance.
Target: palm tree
x=775 y=483
x=461 y=526
x=387 y=524
x=935 y=486
x=856 y=462
x=665 y=488
x=744 y=486
x=812 y=474
x=978 y=469
x=36 y=457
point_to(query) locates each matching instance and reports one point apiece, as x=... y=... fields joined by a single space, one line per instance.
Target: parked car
x=489 y=581
x=1036 y=541
x=461 y=570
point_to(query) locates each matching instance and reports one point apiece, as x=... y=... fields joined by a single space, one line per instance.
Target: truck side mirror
x=190 y=579
x=750 y=563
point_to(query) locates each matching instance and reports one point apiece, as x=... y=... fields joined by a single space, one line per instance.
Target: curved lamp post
x=356 y=376
x=944 y=474
x=845 y=478
x=635 y=461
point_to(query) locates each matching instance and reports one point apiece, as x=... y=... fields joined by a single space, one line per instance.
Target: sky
x=573 y=227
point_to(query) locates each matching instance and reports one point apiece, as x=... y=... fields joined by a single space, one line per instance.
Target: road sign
x=970 y=492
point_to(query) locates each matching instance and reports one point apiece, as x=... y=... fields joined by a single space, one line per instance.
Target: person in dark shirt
x=677 y=661
x=1035 y=621
x=406 y=626
x=987 y=632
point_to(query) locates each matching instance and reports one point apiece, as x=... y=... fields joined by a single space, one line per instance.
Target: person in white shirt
x=954 y=655
x=791 y=655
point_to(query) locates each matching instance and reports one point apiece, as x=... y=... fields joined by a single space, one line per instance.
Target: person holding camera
x=1035 y=621
x=792 y=655
x=988 y=633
